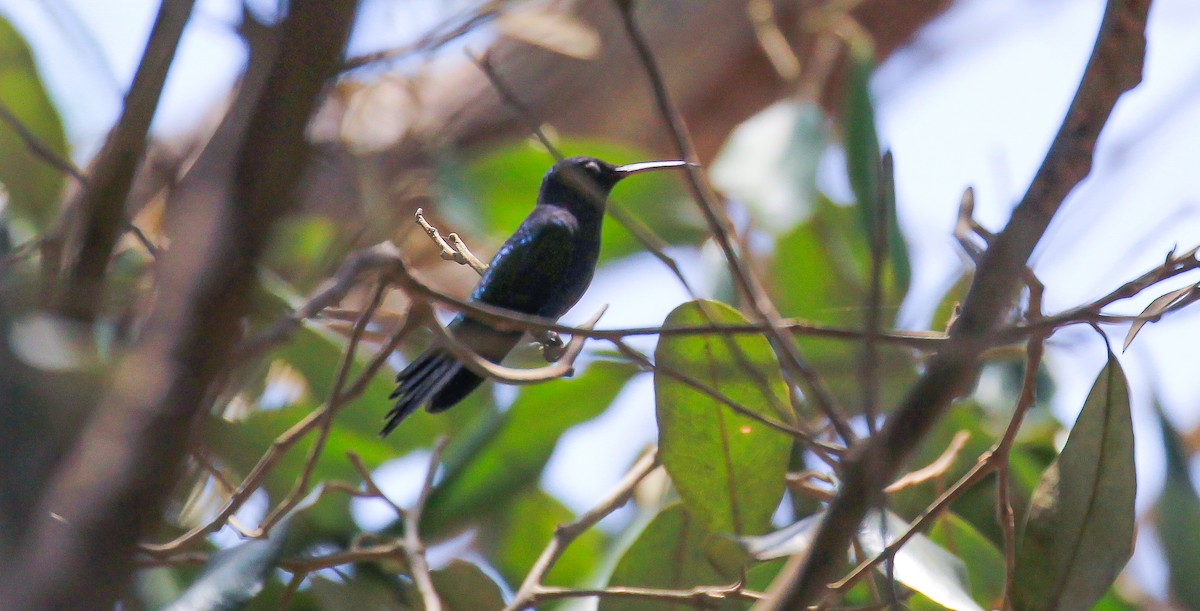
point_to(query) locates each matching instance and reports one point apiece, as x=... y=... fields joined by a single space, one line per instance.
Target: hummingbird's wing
x=531 y=273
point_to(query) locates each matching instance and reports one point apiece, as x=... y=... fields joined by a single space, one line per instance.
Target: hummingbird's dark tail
x=438 y=379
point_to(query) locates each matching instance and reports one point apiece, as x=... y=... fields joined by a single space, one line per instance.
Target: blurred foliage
x=32 y=184
x=726 y=471
x=1177 y=518
x=820 y=273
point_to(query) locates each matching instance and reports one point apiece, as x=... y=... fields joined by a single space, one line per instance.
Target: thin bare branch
x=278 y=449
x=326 y=418
x=531 y=589
x=700 y=597
x=414 y=549
x=935 y=469
x=40 y=149
x=459 y=253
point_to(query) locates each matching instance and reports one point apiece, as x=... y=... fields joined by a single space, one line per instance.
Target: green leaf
x=671 y=553
x=863 y=160
x=364 y=591
x=514 y=537
x=819 y=270
x=462 y=586
x=1080 y=526
x=819 y=274
x=1178 y=522
x=512 y=455
x=985 y=563
x=33 y=185
x=728 y=468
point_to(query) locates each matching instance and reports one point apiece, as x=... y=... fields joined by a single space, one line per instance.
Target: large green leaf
x=33 y=185
x=673 y=552
x=1080 y=526
x=728 y=468
x=1178 y=521
x=510 y=456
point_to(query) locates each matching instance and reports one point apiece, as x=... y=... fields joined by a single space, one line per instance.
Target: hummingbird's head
x=590 y=180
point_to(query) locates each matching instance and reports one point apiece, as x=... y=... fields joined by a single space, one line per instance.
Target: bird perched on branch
x=542 y=270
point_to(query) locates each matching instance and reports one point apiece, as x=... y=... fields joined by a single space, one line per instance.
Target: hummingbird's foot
x=552 y=345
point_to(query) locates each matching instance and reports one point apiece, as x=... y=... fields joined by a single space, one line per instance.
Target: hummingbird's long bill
x=647 y=166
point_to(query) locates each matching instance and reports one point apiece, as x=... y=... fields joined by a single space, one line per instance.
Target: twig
x=885 y=200
x=531 y=589
x=718 y=396
x=278 y=448
x=507 y=320
x=458 y=253
x=772 y=41
x=1115 y=67
x=372 y=488
x=301 y=568
x=414 y=549
x=40 y=149
x=483 y=367
x=331 y=292
x=701 y=597
x=444 y=33
x=326 y=417
x=1175 y=265
x=935 y=469
x=722 y=230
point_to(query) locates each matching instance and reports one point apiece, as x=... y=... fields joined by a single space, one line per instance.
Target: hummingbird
x=542 y=270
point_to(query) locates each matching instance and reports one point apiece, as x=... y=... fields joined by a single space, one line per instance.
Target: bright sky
x=973 y=101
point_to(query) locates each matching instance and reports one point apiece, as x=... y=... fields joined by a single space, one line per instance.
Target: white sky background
x=974 y=101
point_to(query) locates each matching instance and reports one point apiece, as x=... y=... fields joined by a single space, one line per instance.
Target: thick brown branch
x=110 y=488
x=101 y=205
